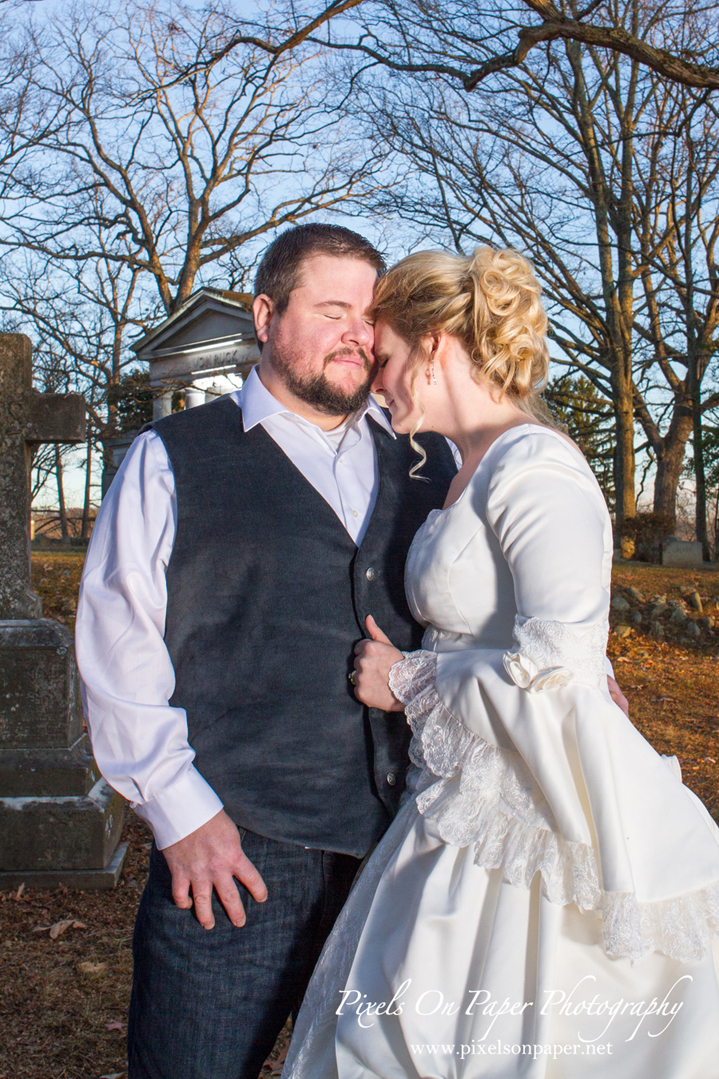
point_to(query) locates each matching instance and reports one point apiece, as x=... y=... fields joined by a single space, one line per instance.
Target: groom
x=233 y=564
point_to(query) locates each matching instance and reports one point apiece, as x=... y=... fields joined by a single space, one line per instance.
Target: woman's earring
x=434 y=377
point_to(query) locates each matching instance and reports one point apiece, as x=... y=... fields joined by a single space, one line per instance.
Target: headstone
x=681 y=553
x=60 y=822
x=115 y=450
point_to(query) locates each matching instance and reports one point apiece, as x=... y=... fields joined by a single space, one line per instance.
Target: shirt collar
x=258 y=404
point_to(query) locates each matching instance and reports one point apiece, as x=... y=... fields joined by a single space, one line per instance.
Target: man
x=232 y=567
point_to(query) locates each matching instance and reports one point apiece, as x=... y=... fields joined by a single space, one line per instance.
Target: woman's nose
x=377 y=386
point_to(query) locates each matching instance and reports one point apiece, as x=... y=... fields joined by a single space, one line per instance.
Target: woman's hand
x=373 y=660
x=617 y=696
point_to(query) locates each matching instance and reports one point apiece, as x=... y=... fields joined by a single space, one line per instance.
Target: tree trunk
x=670 y=460
x=699 y=478
x=624 y=458
x=85 y=534
x=64 y=533
x=693 y=363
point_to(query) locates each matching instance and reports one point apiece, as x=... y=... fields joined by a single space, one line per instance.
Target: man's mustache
x=368 y=363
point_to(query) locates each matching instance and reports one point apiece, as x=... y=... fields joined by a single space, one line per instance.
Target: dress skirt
x=438 y=968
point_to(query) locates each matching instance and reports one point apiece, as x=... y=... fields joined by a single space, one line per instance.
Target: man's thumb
x=375 y=632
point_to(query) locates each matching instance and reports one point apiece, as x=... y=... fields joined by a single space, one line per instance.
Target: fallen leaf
x=91 y=968
x=60 y=927
x=113 y=1075
x=18 y=893
x=277 y=1065
x=114 y=1024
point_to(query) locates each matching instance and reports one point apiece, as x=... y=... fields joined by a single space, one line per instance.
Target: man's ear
x=263 y=309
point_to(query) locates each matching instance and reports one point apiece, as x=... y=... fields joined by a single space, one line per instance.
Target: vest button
x=371 y=573
x=391 y=778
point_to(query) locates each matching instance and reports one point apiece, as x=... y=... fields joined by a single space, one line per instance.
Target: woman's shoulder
x=534 y=445
x=539 y=466
x=532 y=463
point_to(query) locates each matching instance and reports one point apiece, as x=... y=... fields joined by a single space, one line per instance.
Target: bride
x=544 y=903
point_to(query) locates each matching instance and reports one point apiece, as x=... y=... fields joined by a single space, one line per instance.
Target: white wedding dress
x=545 y=904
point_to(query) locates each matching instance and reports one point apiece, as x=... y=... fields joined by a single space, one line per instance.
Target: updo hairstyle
x=490 y=301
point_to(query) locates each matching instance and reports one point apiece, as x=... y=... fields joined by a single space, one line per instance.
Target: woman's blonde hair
x=490 y=301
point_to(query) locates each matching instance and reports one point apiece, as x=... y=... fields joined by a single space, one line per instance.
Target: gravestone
x=681 y=553
x=60 y=822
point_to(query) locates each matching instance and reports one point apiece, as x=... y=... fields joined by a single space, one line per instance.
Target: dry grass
x=63 y=1001
x=56 y=578
x=672 y=683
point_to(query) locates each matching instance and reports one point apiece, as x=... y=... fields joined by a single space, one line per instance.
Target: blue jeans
x=209 y=1004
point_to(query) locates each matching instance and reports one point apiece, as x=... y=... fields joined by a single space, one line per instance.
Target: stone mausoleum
x=206 y=348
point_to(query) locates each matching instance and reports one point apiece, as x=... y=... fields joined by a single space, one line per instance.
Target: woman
x=545 y=902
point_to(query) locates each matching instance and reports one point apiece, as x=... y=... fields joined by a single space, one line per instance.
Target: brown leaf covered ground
x=63 y=1001
x=673 y=683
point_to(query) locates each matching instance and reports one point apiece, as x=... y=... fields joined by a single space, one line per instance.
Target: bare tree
x=677 y=261
x=26 y=117
x=146 y=183
x=468 y=42
x=80 y=311
x=536 y=167
x=575 y=160
x=179 y=175
x=78 y=317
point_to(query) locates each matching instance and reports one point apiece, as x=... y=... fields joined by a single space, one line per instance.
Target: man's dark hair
x=279 y=272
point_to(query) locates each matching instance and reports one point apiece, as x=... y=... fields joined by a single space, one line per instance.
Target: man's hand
x=211 y=857
x=617 y=696
x=373 y=660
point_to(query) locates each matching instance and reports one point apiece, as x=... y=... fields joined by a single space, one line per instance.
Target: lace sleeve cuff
x=413 y=675
x=551 y=654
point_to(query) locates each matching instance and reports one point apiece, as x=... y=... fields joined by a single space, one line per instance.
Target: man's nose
x=359 y=332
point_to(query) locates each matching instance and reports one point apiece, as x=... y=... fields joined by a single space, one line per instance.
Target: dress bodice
x=459 y=578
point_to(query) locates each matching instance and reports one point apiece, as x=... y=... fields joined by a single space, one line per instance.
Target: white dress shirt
x=140 y=742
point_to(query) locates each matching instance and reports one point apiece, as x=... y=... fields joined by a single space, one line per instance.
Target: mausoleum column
x=194 y=396
x=162 y=405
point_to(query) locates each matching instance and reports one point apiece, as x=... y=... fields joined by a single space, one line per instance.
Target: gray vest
x=267 y=596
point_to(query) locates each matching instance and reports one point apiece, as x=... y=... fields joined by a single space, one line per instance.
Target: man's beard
x=318 y=391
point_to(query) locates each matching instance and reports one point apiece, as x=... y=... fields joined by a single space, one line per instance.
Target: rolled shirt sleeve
x=139 y=740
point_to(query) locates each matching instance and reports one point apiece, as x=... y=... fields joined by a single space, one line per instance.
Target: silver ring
x=352 y=678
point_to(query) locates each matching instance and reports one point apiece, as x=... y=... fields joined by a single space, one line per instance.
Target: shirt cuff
x=610 y=669
x=182 y=808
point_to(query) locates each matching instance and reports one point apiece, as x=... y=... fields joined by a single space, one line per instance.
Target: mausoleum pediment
x=209 y=340
x=209 y=317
